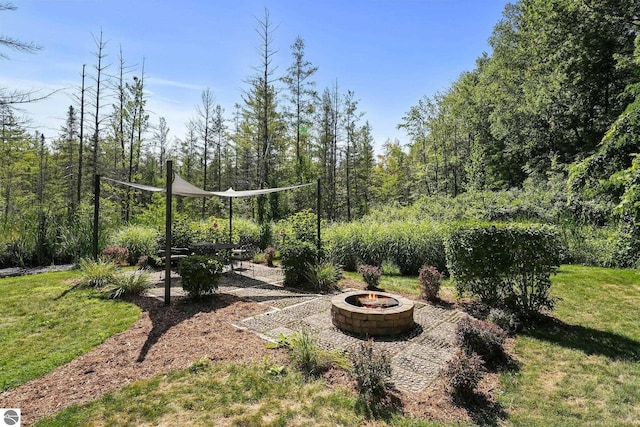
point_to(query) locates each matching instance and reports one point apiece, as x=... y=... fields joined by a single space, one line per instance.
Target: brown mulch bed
x=172 y=337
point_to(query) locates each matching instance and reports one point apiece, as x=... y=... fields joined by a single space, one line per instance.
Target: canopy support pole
x=230 y=220
x=318 y=206
x=96 y=215
x=167 y=249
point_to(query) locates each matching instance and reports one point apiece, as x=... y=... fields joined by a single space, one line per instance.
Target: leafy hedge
x=505 y=265
x=407 y=245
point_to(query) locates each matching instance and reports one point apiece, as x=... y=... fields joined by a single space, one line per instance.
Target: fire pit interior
x=372 y=313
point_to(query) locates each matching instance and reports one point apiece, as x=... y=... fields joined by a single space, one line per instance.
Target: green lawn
x=583 y=369
x=43 y=325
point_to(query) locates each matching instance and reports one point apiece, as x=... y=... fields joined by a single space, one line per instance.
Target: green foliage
x=138 y=240
x=127 y=284
x=200 y=274
x=370 y=274
x=307 y=355
x=324 y=276
x=429 y=279
x=266 y=235
x=372 y=372
x=482 y=338
x=505 y=265
x=296 y=256
x=96 y=274
x=407 y=245
x=300 y=226
x=464 y=372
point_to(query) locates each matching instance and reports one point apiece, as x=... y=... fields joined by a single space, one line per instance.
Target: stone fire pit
x=372 y=313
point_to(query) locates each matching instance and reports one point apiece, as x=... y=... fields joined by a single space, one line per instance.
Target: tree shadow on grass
x=588 y=340
x=164 y=317
x=482 y=410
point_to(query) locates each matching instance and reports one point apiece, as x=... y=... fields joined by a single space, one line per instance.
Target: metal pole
x=318 y=206
x=167 y=249
x=96 y=214
x=230 y=220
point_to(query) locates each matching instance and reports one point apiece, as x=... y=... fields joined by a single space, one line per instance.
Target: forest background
x=545 y=128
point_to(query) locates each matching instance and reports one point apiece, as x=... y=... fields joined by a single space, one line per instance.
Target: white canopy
x=180 y=187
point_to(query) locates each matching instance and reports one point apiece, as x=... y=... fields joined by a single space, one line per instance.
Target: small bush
x=296 y=256
x=200 y=274
x=464 y=372
x=429 y=280
x=96 y=274
x=138 y=240
x=371 y=275
x=129 y=284
x=372 y=372
x=324 y=276
x=116 y=254
x=269 y=255
x=482 y=338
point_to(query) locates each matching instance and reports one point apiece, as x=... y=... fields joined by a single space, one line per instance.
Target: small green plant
x=96 y=274
x=200 y=365
x=129 y=284
x=200 y=274
x=463 y=373
x=116 y=254
x=372 y=372
x=324 y=276
x=509 y=322
x=371 y=275
x=429 y=279
x=270 y=255
x=482 y=338
x=307 y=356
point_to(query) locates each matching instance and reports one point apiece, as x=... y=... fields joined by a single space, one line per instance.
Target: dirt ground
x=169 y=338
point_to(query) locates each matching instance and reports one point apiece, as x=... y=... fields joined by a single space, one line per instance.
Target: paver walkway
x=417 y=356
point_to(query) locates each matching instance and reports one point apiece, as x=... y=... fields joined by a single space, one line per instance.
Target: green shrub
x=505 y=265
x=129 y=284
x=509 y=322
x=200 y=274
x=482 y=338
x=371 y=275
x=324 y=276
x=138 y=240
x=296 y=256
x=96 y=274
x=463 y=373
x=301 y=226
x=116 y=254
x=372 y=373
x=266 y=237
x=429 y=279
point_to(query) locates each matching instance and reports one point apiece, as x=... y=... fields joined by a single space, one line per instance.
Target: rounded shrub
x=296 y=256
x=200 y=274
x=463 y=373
x=482 y=338
x=371 y=275
x=429 y=279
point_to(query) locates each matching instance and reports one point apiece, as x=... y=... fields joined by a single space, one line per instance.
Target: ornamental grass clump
x=129 y=284
x=324 y=276
x=429 y=279
x=371 y=275
x=96 y=273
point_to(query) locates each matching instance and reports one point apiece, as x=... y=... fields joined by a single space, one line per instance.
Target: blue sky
x=389 y=52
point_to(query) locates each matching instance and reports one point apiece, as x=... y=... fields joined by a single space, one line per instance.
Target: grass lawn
x=223 y=394
x=583 y=369
x=43 y=325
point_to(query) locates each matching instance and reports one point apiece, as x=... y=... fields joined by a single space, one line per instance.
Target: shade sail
x=181 y=187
